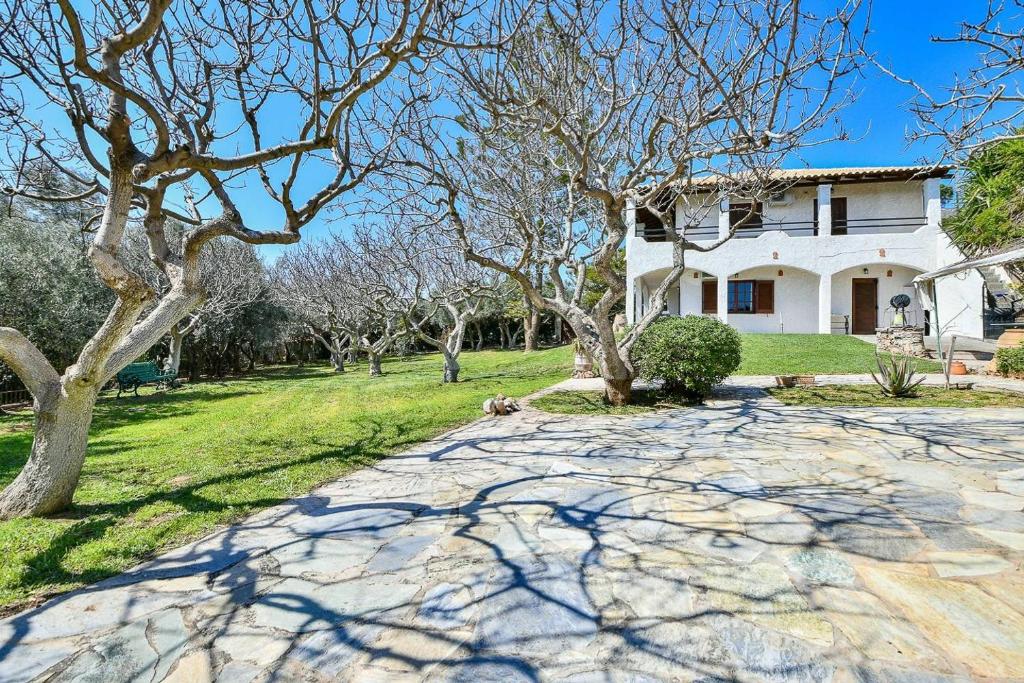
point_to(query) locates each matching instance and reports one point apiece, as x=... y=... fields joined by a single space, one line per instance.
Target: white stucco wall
x=906 y=251
x=888 y=287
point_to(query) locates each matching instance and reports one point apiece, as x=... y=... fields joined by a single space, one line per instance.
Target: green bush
x=1010 y=361
x=690 y=354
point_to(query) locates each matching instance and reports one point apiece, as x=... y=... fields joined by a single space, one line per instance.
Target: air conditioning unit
x=779 y=199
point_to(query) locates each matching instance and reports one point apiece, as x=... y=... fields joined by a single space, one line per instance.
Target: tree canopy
x=990 y=214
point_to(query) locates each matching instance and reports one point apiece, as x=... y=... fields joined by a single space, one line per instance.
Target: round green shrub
x=1010 y=362
x=690 y=354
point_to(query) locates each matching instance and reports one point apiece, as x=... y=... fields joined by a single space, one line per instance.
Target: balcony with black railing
x=849 y=226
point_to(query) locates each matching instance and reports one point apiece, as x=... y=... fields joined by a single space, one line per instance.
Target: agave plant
x=897 y=376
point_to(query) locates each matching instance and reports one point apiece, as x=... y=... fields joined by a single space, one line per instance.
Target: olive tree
x=160 y=109
x=599 y=107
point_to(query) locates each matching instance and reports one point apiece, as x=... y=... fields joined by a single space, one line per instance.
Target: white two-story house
x=826 y=255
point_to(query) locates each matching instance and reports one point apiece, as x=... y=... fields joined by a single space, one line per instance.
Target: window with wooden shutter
x=741 y=296
x=839 y=215
x=764 y=297
x=709 y=297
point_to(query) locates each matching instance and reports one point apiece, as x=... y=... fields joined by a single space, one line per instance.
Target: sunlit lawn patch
x=871 y=395
x=169 y=467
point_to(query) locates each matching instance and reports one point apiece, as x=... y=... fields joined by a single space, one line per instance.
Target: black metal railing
x=658 y=234
x=875 y=226
x=849 y=226
x=995 y=321
x=14 y=397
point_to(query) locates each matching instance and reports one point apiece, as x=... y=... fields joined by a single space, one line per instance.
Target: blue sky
x=877 y=120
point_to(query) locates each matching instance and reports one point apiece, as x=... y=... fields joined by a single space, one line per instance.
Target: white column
x=723 y=298
x=682 y=280
x=825 y=303
x=824 y=210
x=723 y=219
x=630 y=300
x=933 y=201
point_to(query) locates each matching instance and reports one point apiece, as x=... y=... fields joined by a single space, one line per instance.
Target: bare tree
x=335 y=287
x=231 y=274
x=603 y=106
x=977 y=121
x=311 y=286
x=171 y=107
x=426 y=283
x=984 y=105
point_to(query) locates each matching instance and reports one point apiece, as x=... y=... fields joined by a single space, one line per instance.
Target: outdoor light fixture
x=865 y=271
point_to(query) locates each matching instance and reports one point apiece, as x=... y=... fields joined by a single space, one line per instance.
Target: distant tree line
x=331 y=299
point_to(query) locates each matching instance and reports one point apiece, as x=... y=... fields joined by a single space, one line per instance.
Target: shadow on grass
x=92 y=521
x=594 y=403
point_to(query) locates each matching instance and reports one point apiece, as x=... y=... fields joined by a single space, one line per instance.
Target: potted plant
x=583 y=366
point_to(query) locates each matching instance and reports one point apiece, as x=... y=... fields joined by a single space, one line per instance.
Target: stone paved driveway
x=740 y=541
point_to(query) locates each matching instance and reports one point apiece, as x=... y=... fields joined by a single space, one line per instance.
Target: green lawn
x=794 y=354
x=871 y=395
x=166 y=468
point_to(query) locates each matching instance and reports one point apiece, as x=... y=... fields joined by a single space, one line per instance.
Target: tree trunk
x=503 y=333
x=47 y=482
x=174 y=357
x=531 y=325
x=374 y=359
x=451 y=369
x=479 y=337
x=618 y=391
x=338 y=360
x=513 y=340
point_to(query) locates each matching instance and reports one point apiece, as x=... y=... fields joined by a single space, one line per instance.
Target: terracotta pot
x=957 y=367
x=1011 y=339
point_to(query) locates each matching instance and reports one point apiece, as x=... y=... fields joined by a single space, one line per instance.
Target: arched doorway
x=861 y=295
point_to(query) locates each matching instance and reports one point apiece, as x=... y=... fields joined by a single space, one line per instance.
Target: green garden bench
x=135 y=375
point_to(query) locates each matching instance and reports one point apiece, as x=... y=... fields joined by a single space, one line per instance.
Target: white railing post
x=825 y=303
x=723 y=219
x=723 y=298
x=932 y=189
x=824 y=210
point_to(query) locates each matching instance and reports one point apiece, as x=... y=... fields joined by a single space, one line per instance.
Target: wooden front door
x=865 y=305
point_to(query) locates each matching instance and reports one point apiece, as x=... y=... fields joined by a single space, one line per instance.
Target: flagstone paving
x=740 y=541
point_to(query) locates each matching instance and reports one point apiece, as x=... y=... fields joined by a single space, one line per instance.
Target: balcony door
x=865 y=305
